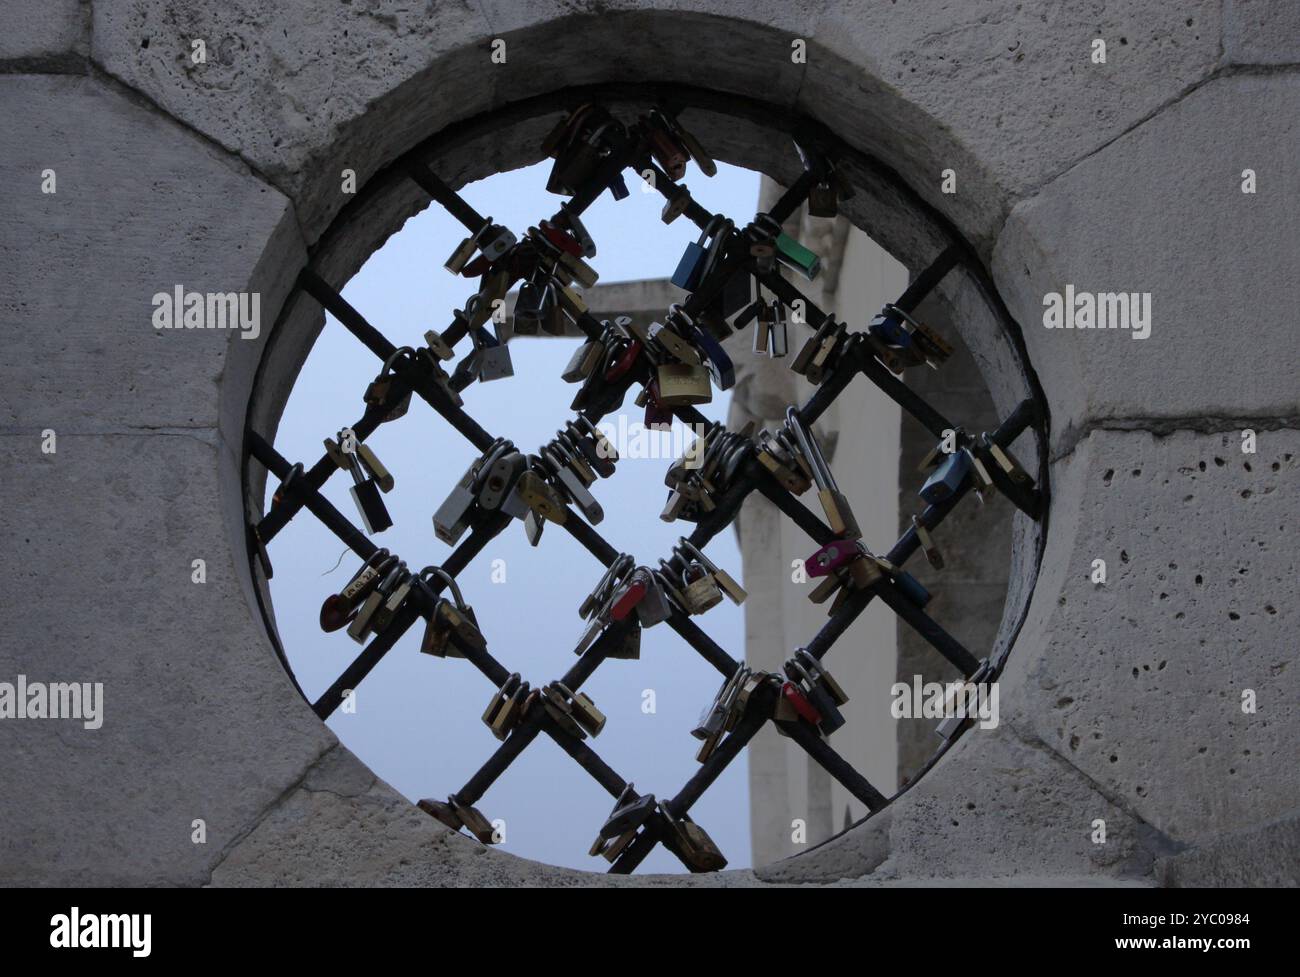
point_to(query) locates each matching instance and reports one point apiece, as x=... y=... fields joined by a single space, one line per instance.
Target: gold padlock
x=683 y=384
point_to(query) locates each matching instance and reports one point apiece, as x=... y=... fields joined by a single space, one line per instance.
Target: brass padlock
x=683 y=384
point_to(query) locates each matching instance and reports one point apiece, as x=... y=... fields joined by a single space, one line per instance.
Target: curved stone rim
x=335 y=248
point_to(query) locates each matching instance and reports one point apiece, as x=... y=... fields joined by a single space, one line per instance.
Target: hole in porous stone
x=1137 y=472
x=1201 y=749
x=1234 y=616
x=1219 y=462
x=1246 y=493
x=1114 y=758
x=1063 y=702
x=1270 y=609
x=1110 y=473
x=1123 y=556
x=1161 y=666
x=1074 y=742
x=1199 y=580
x=144 y=43
x=1246 y=465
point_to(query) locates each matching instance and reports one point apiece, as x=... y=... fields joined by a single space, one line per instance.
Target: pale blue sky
x=417 y=722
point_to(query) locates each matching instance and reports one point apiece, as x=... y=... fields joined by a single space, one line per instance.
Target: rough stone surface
x=1121 y=176
x=1263 y=32
x=199 y=719
x=1267 y=856
x=998 y=805
x=1216 y=261
x=129 y=217
x=50 y=36
x=1139 y=682
x=849 y=855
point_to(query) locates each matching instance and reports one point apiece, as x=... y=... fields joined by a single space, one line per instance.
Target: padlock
x=818 y=697
x=337 y=610
x=665 y=148
x=701 y=590
x=678 y=199
x=368 y=617
x=819 y=674
x=438 y=346
x=692 y=843
x=948 y=478
x=630 y=812
x=505 y=708
x=793 y=705
x=365 y=493
x=691 y=266
x=832 y=557
x=584 y=361
x=653 y=608
x=779 y=342
x=1006 y=461
x=381 y=386
x=473 y=821
x=838 y=512
x=558 y=707
x=453 y=517
x=493 y=357
x=928 y=546
x=823 y=201
x=697 y=152
x=792 y=254
x=762 y=332
x=683 y=384
x=556 y=458
x=724 y=580
x=497 y=477
x=448 y=617
x=540 y=498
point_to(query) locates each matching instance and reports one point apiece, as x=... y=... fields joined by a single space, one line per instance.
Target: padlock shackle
x=446 y=578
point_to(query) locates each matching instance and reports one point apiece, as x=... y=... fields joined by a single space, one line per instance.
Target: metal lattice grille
x=742 y=255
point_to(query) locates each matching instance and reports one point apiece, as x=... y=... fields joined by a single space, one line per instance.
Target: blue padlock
x=691 y=267
x=890 y=329
x=945 y=480
x=716 y=360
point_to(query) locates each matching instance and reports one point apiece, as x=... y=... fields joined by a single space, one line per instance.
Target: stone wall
x=1121 y=701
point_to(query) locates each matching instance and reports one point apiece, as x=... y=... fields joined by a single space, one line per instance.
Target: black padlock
x=365 y=493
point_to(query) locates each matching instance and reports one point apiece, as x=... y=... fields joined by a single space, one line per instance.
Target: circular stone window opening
x=481 y=493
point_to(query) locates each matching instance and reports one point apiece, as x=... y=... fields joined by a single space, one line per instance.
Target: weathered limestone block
x=1000 y=805
x=1267 y=856
x=1219 y=263
x=140 y=206
x=51 y=36
x=1261 y=32
x=1139 y=682
x=1004 y=94
x=199 y=719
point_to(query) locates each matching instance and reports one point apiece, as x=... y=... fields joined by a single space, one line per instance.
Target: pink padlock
x=832 y=556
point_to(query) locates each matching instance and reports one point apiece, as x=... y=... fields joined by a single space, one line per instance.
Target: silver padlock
x=838 y=512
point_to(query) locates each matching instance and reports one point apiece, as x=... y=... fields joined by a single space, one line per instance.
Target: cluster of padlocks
x=676 y=363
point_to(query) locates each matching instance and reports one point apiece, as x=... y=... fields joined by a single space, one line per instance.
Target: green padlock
x=794 y=255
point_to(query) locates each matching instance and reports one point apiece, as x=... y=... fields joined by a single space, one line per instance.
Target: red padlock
x=335 y=615
x=657 y=416
x=561 y=238
x=625 y=361
x=799 y=702
x=627 y=601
